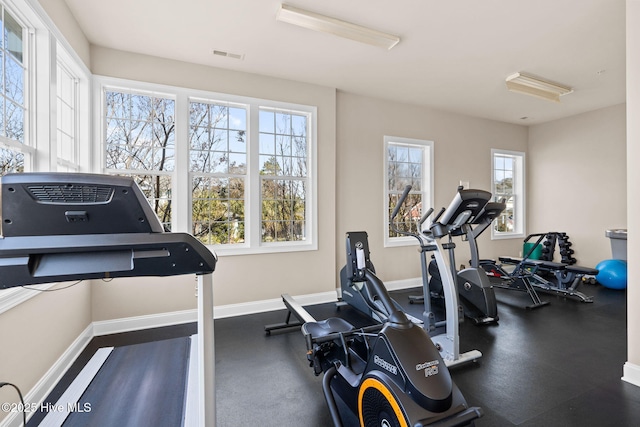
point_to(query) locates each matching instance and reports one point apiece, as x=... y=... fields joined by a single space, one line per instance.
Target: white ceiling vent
x=227 y=54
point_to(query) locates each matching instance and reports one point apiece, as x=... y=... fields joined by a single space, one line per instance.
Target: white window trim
x=64 y=62
x=428 y=198
x=12 y=297
x=41 y=36
x=181 y=220
x=519 y=184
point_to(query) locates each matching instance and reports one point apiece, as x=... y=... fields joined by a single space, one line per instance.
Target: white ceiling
x=454 y=55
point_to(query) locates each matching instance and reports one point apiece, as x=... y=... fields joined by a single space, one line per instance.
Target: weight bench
x=566 y=278
x=517 y=280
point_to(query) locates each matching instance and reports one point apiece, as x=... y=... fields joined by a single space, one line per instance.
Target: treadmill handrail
x=29 y=260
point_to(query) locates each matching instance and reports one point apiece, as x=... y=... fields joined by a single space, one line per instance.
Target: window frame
x=220 y=175
x=427 y=184
x=25 y=147
x=171 y=174
x=63 y=64
x=309 y=180
x=182 y=176
x=43 y=45
x=519 y=194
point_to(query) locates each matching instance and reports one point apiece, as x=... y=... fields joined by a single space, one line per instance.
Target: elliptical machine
x=388 y=374
x=476 y=292
x=444 y=334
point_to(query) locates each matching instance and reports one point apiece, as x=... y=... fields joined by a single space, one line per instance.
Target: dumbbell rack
x=561 y=240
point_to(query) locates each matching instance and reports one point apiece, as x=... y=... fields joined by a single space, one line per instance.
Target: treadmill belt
x=138 y=385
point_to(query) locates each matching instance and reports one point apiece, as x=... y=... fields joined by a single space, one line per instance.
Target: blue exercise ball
x=612 y=273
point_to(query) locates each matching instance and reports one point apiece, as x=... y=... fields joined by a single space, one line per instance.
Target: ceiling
x=454 y=55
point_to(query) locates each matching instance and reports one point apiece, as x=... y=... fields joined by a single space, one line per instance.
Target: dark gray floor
x=559 y=365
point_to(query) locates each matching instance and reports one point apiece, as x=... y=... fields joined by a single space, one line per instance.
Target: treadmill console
x=46 y=204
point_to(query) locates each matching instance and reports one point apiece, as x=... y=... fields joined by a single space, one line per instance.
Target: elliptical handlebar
x=425 y=216
x=401 y=201
x=405 y=193
x=442 y=209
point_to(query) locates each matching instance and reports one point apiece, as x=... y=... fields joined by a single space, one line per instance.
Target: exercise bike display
x=476 y=292
x=388 y=374
x=444 y=334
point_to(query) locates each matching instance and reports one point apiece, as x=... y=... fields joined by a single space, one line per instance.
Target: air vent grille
x=227 y=54
x=71 y=194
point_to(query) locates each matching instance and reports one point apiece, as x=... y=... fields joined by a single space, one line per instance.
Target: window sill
x=504 y=236
x=397 y=242
x=12 y=297
x=272 y=248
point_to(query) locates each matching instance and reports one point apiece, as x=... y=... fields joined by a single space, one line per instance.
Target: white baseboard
x=253 y=307
x=126 y=324
x=631 y=374
x=398 y=285
x=51 y=378
x=231 y=310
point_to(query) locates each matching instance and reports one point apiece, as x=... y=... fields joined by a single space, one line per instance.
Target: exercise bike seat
x=326 y=327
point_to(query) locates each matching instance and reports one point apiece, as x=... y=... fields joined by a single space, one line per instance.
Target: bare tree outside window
x=11 y=161
x=405 y=166
x=249 y=188
x=218 y=165
x=508 y=185
x=140 y=142
x=12 y=105
x=283 y=172
x=503 y=174
x=13 y=71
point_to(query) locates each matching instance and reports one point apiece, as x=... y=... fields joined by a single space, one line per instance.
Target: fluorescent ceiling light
x=326 y=24
x=530 y=85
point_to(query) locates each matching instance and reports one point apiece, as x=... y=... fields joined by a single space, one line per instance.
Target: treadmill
x=60 y=227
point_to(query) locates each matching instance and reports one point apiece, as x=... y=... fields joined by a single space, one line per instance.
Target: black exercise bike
x=388 y=374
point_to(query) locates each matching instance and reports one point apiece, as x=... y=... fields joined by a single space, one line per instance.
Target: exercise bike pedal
x=348 y=375
x=485 y=320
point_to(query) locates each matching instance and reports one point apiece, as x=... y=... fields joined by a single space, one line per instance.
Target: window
x=236 y=172
x=13 y=78
x=507 y=179
x=12 y=96
x=283 y=174
x=139 y=141
x=218 y=165
x=407 y=162
x=67 y=101
x=30 y=48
